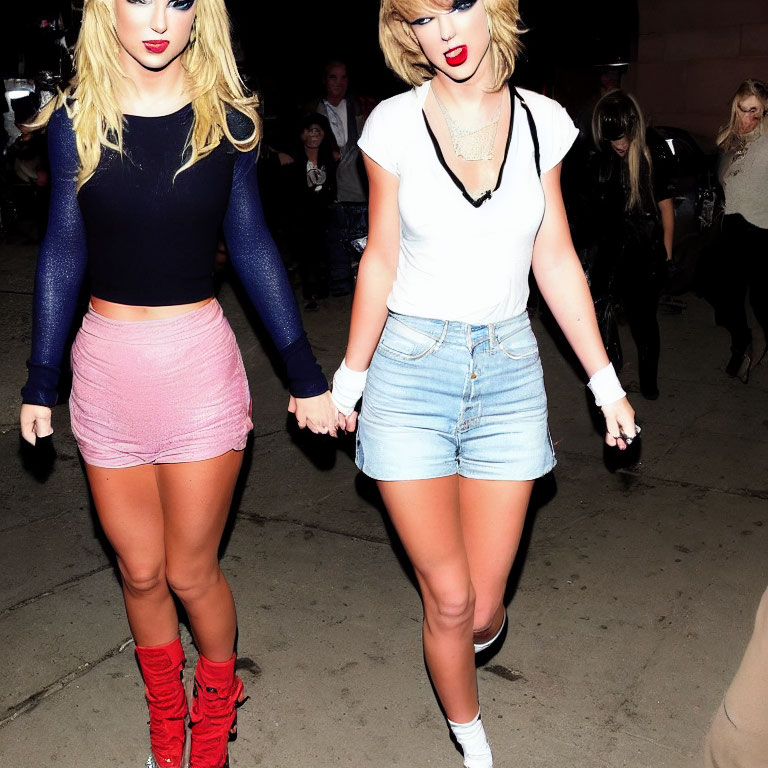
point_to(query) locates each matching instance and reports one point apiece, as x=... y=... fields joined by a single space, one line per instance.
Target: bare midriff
x=131 y=314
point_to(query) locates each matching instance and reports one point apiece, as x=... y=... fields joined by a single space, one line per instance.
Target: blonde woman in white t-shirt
x=464 y=175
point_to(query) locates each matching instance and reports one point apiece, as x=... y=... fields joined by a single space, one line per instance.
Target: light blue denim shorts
x=444 y=398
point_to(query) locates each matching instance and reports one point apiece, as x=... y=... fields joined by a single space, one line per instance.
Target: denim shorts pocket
x=401 y=340
x=518 y=343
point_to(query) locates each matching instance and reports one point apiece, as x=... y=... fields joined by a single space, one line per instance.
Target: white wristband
x=348 y=386
x=605 y=386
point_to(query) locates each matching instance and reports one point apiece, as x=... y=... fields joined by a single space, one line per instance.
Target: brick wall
x=691 y=56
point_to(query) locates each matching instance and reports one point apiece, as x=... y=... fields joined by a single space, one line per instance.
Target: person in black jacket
x=634 y=223
x=310 y=184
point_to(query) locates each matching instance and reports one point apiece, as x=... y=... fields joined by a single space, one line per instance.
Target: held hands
x=35 y=421
x=317 y=413
x=347 y=423
x=348 y=386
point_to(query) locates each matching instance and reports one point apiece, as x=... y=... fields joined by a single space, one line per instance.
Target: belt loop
x=468 y=335
x=444 y=333
x=491 y=337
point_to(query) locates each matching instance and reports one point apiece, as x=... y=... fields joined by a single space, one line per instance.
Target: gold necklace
x=471 y=144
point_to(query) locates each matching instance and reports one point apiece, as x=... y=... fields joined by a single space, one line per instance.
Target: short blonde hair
x=213 y=80
x=728 y=138
x=405 y=58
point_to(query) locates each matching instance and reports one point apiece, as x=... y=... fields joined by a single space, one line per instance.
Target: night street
x=629 y=609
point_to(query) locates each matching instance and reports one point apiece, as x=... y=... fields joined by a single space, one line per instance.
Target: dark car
x=697 y=199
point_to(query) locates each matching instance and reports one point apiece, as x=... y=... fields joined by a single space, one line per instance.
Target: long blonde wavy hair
x=405 y=58
x=729 y=138
x=91 y=98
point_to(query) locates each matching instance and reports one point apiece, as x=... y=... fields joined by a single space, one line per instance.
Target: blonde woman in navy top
x=464 y=174
x=153 y=154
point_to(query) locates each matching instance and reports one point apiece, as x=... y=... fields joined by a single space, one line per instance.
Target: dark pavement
x=631 y=603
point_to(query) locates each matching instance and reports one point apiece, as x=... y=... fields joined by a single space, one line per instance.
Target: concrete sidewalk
x=630 y=607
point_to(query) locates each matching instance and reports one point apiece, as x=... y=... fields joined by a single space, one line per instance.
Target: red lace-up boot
x=162 y=667
x=217 y=692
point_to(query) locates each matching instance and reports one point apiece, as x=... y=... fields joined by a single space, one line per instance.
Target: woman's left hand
x=318 y=414
x=347 y=423
x=621 y=429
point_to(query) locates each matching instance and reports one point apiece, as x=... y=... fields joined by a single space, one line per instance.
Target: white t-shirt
x=458 y=261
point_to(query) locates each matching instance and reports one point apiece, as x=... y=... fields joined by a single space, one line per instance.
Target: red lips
x=155 y=46
x=456 y=56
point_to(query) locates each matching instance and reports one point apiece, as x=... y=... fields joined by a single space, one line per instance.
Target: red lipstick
x=456 y=56
x=155 y=46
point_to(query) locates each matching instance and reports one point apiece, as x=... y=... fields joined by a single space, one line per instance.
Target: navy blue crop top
x=148 y=239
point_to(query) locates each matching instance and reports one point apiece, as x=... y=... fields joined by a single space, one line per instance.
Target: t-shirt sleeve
x=556 y=134
x=379 y=137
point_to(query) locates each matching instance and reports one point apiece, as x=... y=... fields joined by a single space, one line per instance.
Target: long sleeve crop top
x=147 y=237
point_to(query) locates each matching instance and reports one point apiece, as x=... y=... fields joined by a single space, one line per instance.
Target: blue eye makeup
x=458 y=5
x=179 y=5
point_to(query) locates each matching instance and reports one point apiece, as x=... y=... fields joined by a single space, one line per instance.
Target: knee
x=143 y=580
x=452 y=607
x=190 y=580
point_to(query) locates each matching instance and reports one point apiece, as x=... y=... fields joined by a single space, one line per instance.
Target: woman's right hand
x=35 y=422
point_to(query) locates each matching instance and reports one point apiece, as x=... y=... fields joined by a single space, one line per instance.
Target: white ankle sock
x=471 y=738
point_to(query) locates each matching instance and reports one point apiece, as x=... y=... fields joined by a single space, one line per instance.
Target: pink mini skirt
x=158 y=391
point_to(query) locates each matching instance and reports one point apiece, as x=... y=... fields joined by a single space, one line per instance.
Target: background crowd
x=314 y=192
x=621 y=203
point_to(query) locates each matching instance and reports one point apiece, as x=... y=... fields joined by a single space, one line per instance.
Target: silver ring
x=627 y=439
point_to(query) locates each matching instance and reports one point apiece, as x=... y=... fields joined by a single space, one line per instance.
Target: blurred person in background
x=743 y=263
x=311 y=189
x=349 y=211
x=633 y=220
x=738 y=735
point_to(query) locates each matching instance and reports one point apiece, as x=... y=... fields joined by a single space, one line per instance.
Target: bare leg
x=426 y=516
x=492 y=518
x=196 y=499
x=165 y=523
x=130 y=512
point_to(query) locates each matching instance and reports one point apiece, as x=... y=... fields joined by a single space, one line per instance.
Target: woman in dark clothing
x=635 y=221
x=311 y=189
